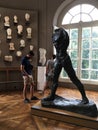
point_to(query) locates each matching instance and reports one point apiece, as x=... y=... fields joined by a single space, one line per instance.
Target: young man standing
x=26 y=69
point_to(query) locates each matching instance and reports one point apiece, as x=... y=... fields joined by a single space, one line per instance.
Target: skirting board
x=64 y=116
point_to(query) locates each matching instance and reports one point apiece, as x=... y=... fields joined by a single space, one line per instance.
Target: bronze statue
x=60 y=40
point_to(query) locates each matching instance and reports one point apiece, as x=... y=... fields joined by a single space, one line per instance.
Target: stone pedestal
x=41 y=78
x=64 y=116
x=73 y=105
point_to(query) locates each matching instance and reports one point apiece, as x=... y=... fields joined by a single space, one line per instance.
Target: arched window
x=81 y=12
x=81 y=22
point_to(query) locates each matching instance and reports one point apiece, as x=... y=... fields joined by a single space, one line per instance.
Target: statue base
x=73 y=105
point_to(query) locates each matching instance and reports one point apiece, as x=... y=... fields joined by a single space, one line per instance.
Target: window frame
x=61 y=11
x=79 y=26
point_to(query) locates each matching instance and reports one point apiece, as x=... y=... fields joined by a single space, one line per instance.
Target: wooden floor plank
x=16 y=115
x=39 y=122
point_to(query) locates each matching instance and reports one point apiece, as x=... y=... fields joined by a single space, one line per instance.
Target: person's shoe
x=34 y=98
x=26 y=100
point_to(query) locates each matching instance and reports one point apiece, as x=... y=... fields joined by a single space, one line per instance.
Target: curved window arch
x=81 y=23
x=82 y=12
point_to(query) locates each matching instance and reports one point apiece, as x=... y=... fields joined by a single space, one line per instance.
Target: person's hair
x=54 y=56
x=31 y=53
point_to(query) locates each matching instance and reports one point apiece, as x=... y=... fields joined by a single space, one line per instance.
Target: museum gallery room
x=32 y=95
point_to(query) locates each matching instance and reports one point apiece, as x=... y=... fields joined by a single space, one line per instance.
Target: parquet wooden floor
x=16 y=115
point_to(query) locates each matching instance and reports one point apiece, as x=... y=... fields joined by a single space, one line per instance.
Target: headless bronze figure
x=60 y=40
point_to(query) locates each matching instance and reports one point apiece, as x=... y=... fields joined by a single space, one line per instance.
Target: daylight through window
x=83 y=48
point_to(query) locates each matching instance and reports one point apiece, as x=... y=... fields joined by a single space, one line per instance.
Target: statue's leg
x=72 y=75
x=57 y=70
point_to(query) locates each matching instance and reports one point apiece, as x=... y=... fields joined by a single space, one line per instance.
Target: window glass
x=82 y=12
x=94 y=43
x=85 y=64
x=93 y=14
x=63 y=73
x=85 y=74
x=94 y=64
x=86 y=43
x=94 y=75
x=85 y=53
x=75 y=10
x=83 y=47
x=86 y=32
x=95 y=54
x=66 y=19
x=87 y=8
x=95 y=32
x=85 y=18
x=73 y=33
x=74 y=44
